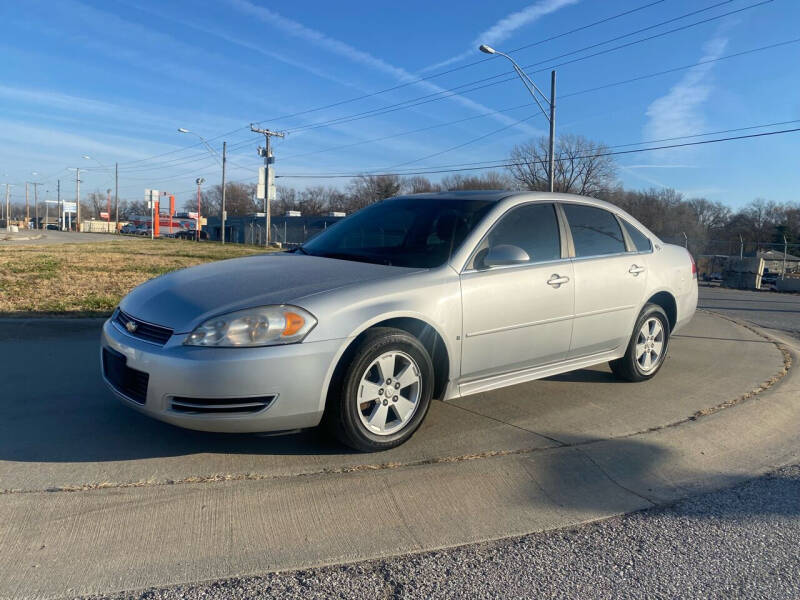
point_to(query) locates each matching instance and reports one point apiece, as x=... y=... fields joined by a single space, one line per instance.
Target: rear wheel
x=647 y=347
x=381 y=395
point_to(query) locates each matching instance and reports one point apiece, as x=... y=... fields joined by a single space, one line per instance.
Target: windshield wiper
x=300 y=249
x=356 y=258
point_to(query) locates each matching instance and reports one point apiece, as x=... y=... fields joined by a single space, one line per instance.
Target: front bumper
x=297 y=375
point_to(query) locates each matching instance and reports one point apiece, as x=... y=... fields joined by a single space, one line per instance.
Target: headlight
x=261 y=326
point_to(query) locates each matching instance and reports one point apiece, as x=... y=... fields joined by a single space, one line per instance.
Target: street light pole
x=8 y=207
x=551 y=102
x=222 y=161
x=78 y=199
x=116 y=197
x=552 y=169
x=222 y=216
x=200 y=181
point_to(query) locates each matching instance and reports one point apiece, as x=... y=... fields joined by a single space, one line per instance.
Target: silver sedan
x=414 y=298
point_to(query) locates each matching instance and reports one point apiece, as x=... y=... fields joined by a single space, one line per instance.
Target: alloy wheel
x=389 y=392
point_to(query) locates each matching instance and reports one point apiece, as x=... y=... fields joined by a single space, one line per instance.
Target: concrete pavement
x=534 y=457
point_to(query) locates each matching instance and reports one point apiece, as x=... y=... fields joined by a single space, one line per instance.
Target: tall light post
x=77 y=200
x=108 y=191
x=199 y=181
x=222 y=161
x=551 y=103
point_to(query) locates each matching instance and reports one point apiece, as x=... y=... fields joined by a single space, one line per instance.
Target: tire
x=637 y=365
x=365 y=412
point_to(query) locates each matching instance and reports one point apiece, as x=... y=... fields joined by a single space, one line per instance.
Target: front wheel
x=647 y=347
x=382 y=394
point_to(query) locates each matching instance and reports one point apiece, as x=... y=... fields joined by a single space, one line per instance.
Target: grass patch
x=90 y=279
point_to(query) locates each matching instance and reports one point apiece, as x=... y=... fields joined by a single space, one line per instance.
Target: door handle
x=635 y=270
x=557 y=281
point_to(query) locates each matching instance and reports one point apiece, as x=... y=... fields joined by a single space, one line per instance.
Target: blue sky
x=114 y=80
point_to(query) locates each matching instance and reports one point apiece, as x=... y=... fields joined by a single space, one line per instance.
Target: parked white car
x=417 y=297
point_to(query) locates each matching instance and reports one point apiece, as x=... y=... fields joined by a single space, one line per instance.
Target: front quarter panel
x=433 y=297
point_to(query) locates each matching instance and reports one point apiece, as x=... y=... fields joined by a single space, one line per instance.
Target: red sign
x=104 y=215
x=192 y=215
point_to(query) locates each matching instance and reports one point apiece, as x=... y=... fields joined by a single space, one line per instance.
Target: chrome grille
x=155 y=334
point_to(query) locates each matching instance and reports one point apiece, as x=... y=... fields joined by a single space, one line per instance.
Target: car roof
x=486 y=195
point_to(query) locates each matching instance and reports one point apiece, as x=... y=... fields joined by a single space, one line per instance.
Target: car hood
x=183 y=299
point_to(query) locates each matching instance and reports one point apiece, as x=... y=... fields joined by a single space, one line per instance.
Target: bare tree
x=420 y=185
x=579 y=168
x=368 y=189
x=492 y=180
x=239 y=200
x=98 y=200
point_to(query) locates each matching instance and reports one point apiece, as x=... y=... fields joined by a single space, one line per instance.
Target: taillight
x=694 y=266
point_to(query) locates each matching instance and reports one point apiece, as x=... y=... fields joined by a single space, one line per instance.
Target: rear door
x=516 y=316
x=610 y=280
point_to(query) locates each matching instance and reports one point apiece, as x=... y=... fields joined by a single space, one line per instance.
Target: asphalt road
x=738 y=543
x=53 y=237
x=766 y=309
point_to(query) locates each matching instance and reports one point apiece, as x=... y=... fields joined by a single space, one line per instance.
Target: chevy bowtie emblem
x=131 y=326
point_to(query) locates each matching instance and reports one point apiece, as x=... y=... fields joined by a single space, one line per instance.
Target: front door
x=518 y=316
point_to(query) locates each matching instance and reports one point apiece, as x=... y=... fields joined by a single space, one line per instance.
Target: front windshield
x=404 y=232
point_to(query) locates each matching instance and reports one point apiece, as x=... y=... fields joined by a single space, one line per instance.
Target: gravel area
x=742 y=542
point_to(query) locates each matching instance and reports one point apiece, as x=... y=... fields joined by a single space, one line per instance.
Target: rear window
x=595 y=231
x=640 y=240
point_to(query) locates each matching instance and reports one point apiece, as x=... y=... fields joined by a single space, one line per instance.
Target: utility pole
x=60 y=219
x=222 y=216
x=785 y=248
x=551 y=102
x=46 y=208
x=266 y=176
x=27 y=207
x=116 y=197
x=199 y=181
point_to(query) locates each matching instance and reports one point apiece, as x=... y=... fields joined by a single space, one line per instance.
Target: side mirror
x=505 y=254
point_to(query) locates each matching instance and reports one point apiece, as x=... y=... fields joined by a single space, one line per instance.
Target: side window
x=532 y=227
x=640 y=240
x=595 y=231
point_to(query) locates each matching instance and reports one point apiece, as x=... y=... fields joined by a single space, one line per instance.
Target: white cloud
x=679 y=111
x=345 y=50
x=506 y=27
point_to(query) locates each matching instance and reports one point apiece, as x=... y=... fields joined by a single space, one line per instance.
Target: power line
x=571 y=94
x=408 y=83
x=461 y=67
x=497 y=164
x=445 y=93
x=658 y=141
x=494 y=79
